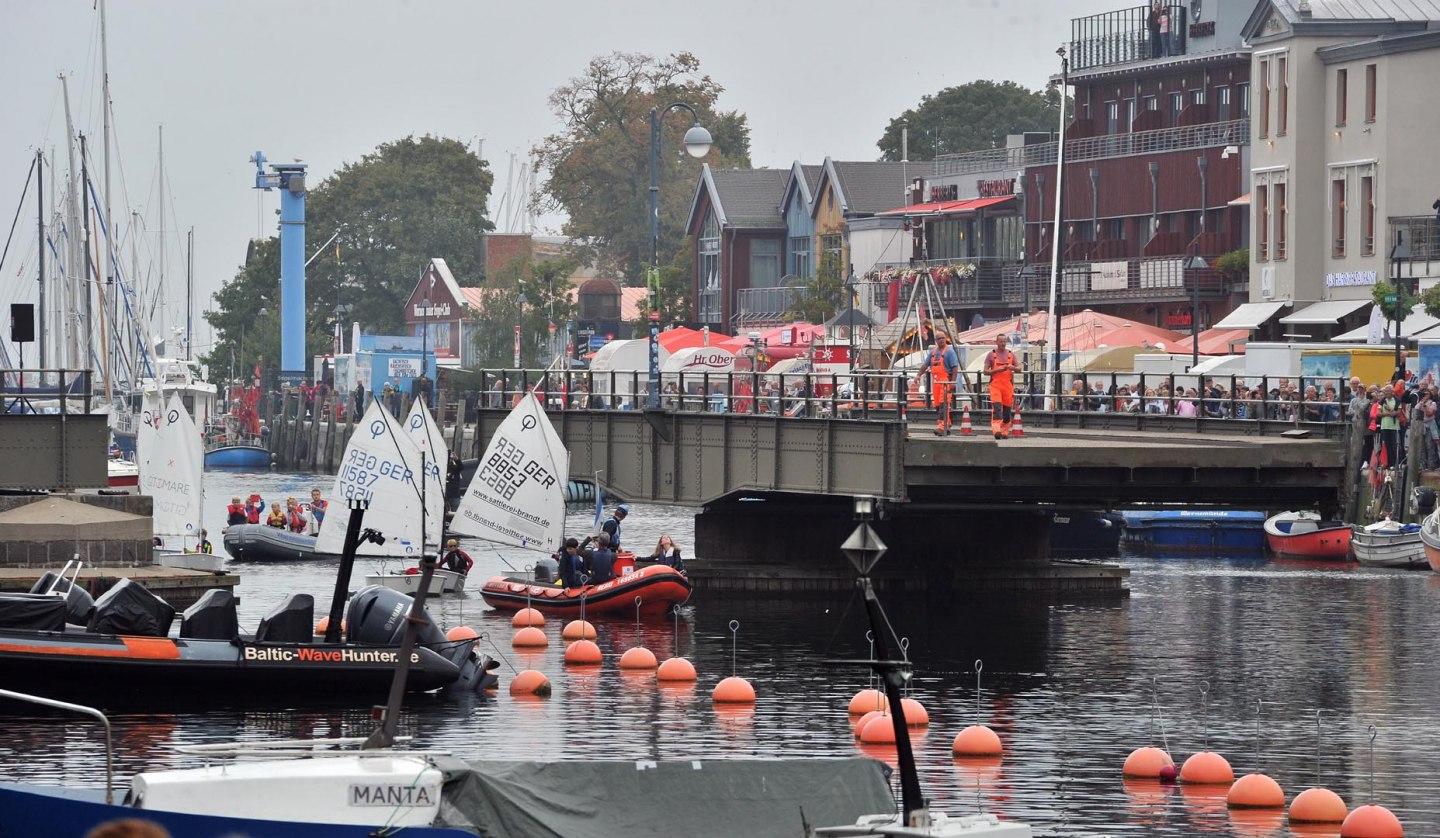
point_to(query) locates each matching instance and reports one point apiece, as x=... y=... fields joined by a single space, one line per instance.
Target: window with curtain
x=1282 y=80
x=1278 y=195
x=1337 y=216
x=1367 y=216
x=710 y=270
x=1264 y=98
x=1262 y=223
x=765 y=263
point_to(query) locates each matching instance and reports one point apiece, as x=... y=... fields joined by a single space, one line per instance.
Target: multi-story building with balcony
x=1343 y=137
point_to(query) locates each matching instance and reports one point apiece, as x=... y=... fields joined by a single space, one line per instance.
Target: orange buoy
x=578 y=630
x=583 y=653
x=915 y=713
x=530 y=682
x=676 y=669
x=638 y=658
x=1146 y=763
x=459 y=633
x=1318 y=805
x=867 y=700
x=1371 y=822
x=1207 y=768
x=861 y=721
x=733 y=690
x=527 y=617
x=1255 y=791
x=324 y=625
x=529 y=637
x=977 y=741
x=880 y=730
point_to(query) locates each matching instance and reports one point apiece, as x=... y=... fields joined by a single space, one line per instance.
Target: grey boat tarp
x=590 y=799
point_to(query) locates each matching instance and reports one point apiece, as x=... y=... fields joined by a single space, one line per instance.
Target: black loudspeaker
x=22 y=322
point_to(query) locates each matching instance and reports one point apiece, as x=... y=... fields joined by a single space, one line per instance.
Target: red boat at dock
x=1305 y=535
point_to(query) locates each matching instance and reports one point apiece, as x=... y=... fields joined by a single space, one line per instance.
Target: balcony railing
x=1123 y=37
x=1183 y=138
x=767 y=306
x=1162 y=278
x=983 y=288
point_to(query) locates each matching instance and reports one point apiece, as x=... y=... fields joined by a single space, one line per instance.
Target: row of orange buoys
x=873 y=724
x=583 y=651
x=1258 y=791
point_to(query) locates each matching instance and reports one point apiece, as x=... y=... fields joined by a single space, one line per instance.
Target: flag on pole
x=599 y=507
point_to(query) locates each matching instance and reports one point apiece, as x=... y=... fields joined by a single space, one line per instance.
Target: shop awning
x=1414 y=324
x=949 y=207
x=1242 y=201
x=1325 y=314
x=1250 y=315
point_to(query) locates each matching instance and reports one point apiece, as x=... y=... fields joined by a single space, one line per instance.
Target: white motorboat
x=1390 y=544
x=408 y=581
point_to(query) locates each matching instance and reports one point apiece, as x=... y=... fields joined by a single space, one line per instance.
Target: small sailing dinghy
x=173 y=475
x=1306 y=535
x=1388 y=543
x=517 y=498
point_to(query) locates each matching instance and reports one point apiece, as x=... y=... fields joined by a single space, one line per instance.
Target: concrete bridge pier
x=785 y=544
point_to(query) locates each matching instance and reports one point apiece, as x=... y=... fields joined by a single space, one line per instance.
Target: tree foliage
x=599 y=162
x=544 y=284
x=407 y=202
x=824 y=292
x=1392 y=302
x=971 y=117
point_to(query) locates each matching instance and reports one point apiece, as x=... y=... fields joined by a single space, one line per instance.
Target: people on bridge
x=602 y=560
x=942 y=365
x=455 y=559
x=1000 y=365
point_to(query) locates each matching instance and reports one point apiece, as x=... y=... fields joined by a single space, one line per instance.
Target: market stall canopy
x=1216 y=342
x=1082 y=330
x=780 y=341
x=700 y=359
x=945 y=207
x=682 y=337
x=1416 y=323
x=1250 y=315
x=1327 y=313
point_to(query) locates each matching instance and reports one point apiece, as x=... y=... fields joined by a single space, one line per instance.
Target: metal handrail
x=83 y=710
x=1103 y=146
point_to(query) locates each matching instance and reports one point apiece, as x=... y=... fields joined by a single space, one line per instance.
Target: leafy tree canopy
x=599 y=162
x=407 y=202
x=545 y=284
x=971 y=117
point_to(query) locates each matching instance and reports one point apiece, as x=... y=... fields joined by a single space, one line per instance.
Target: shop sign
x=946 y=192
x=1345 y=279
x=995 y=188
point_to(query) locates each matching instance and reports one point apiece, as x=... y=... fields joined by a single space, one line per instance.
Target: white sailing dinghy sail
x=172 y=474
x=421 y=429
x=382 y=465
x=517 y=496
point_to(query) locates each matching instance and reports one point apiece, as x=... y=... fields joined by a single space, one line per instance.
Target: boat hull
x=1403 y=550
x=261 y=543
x=238 y=456
x=124 y=667
x=441 y=582
x=1196 y=531
x=1304 y=535
x=659 y=589
x=1084 y=532
x=47 y=810
x=1430 y=539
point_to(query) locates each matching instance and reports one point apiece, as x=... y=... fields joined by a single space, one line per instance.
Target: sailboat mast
x=1052 y=345
x=74 y=248
x=189 y=289
x=111 y=308
x=162 y=226
x=85 y=261
x=40 y=225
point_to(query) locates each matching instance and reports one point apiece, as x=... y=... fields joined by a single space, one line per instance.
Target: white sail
x=148 y=422
x=427 y=437
x=518 y=493
x=380 y=465
x=172 y=472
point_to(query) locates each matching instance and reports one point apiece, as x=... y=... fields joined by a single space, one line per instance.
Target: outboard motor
x=128 y=608
x=377 y=618
x=477 y=672
x=292 y=621
x=212 y=617
x=79 y=605
x=547 y=570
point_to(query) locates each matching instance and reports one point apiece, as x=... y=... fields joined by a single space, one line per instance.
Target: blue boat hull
x=30 y=811
x=238 y=456
x=1085 y=532
x=1193 y=531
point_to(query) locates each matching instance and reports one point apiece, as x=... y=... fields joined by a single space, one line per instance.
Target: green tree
x=545 y=284
x=408 y=201
x=599 y=162
x=824 y=292
x=971 y=117
x=1391 y=301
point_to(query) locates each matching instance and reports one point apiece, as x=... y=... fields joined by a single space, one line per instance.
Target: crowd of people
x=293 y=516
x=1390 y=410
x=1284 y=401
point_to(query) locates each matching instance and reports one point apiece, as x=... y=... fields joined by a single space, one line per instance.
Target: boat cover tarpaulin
x=607 y=799
x=127 y=608
x=39 y=612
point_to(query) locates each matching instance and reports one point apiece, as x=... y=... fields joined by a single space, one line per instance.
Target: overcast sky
x=326 y=82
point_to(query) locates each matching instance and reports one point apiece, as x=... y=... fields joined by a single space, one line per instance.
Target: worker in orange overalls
x=943 y=365
x=1000 y=365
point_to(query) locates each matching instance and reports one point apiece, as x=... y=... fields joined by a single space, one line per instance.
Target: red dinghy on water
x=1305 y=535
x=659 y=588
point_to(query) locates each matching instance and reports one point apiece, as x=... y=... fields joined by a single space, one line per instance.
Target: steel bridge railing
x=45 y=391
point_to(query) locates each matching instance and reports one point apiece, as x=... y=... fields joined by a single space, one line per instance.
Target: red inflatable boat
x=658 y=587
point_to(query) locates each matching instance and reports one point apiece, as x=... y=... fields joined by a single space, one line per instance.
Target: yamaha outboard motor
x=377 y=618
x=292 y=621
x=128 y=608
x=79 y=605
x=212 y=617
x=547 y=570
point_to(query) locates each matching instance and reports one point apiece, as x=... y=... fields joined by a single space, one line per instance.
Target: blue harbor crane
x=289 y=178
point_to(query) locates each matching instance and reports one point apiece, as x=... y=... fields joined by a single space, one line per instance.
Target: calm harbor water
x=1071 y=687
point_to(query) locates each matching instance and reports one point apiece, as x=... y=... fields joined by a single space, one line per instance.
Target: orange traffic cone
x=1017 y=429
x=965 y=428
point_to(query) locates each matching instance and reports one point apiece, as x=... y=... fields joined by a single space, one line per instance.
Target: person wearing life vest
x=294 y=518
x=612 y=526
x=455 y=559
x=317 y=511
x=942 y=365
x=254 y=506
x=205 y=545
x=235 y=513
x=1000 y=365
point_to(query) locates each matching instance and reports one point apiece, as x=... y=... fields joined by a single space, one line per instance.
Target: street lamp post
x=697 y=145
x=1399 y=254
x=424 y=346
x=1194 y=265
